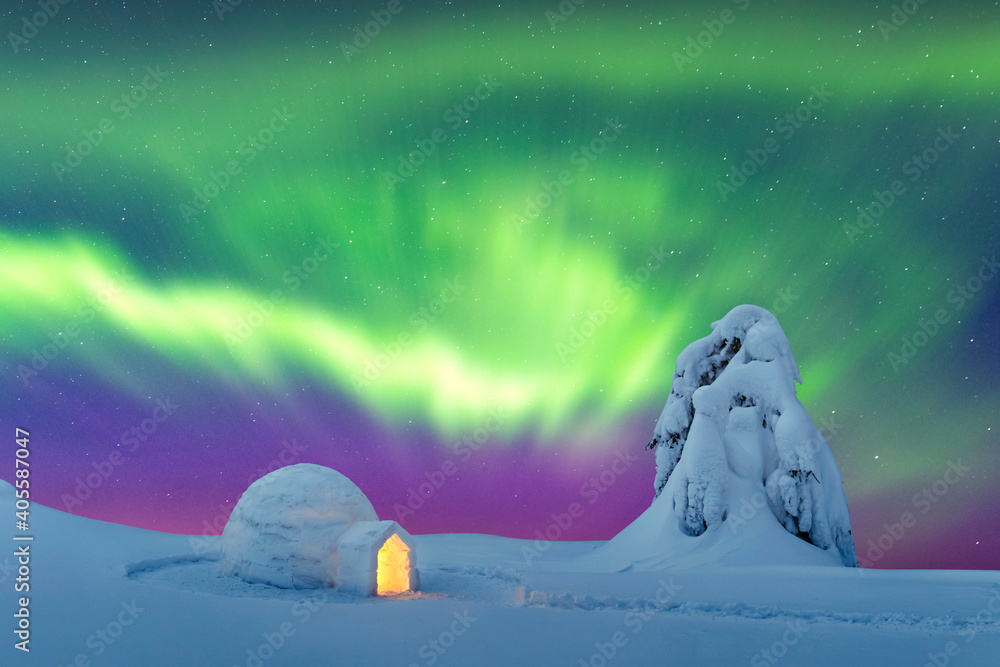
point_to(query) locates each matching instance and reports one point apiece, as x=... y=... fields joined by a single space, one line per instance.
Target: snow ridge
x=888 y=620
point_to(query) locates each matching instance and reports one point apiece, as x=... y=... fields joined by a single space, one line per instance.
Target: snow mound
x=286 y=527
x=738 y=459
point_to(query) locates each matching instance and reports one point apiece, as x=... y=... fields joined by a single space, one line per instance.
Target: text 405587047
x=22 y=583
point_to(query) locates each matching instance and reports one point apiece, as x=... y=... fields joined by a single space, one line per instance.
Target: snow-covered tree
x=733 y=415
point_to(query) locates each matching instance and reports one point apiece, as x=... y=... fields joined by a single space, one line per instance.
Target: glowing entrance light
x=393 y=567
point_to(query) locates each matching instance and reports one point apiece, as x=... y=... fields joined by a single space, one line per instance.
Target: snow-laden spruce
x=732 y=412
x=743 y=475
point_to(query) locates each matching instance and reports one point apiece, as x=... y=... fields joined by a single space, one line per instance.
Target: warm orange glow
x=393 y=567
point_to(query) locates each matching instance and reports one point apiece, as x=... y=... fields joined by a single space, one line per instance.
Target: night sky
x=456 y=258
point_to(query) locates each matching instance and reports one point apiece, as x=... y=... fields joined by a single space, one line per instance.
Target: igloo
x=308 y=526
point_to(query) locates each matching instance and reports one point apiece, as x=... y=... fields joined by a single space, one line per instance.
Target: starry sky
x=452 y=249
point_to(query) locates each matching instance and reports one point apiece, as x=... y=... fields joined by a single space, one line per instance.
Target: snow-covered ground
x=105 y=594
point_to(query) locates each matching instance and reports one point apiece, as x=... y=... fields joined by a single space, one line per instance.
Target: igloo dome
x=288 y=527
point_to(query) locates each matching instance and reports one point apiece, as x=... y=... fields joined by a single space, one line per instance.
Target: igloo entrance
x=393 y=567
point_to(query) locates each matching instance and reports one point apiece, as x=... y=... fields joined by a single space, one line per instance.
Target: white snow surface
x=736 y=450
x=105 y=594
x=286 y=527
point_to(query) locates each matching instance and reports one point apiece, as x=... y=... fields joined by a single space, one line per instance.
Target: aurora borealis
x=461 y=256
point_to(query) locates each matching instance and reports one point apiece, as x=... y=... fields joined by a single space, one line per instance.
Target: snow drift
x=743 y=475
